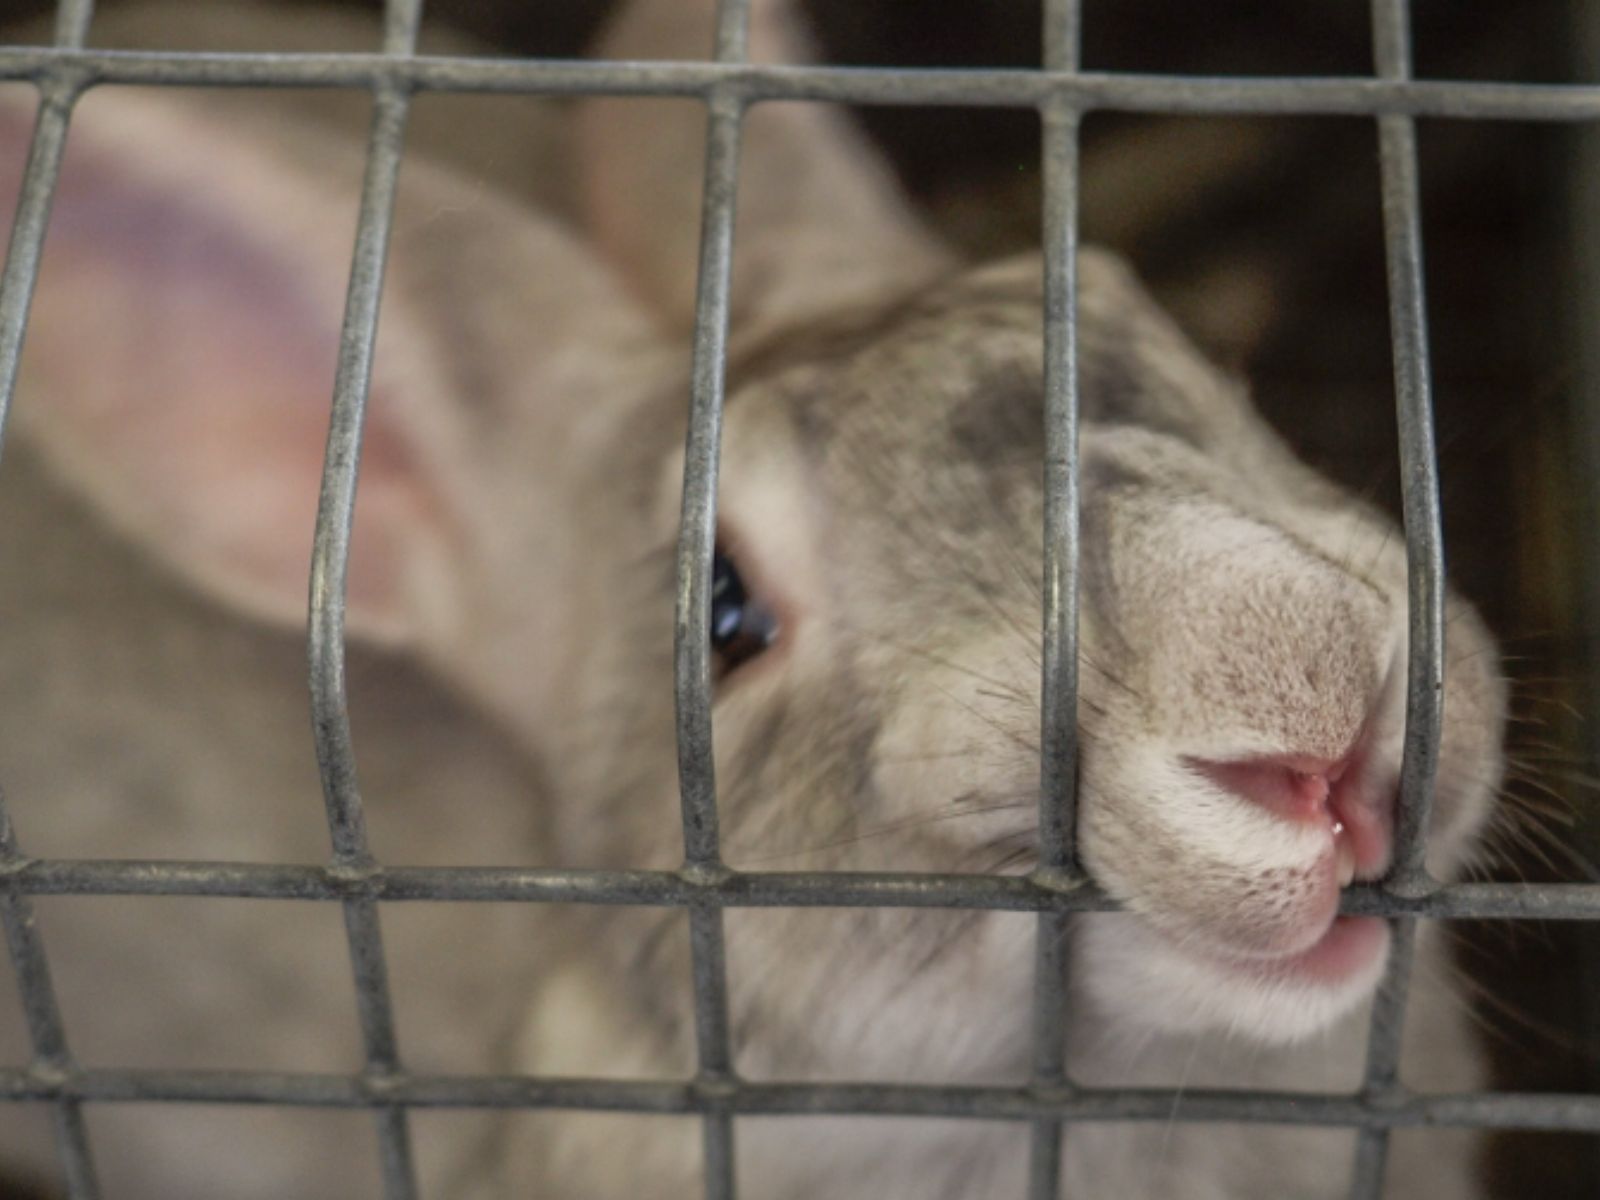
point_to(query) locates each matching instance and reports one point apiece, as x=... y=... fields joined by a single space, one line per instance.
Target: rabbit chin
x=1134 y=975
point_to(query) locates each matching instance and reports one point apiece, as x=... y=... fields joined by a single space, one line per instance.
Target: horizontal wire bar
x=733 y=889
x=984 y=87
x=1481 y=1110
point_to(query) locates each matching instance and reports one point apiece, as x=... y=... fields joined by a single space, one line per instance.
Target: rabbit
x=1243 y=648
x=146 y=715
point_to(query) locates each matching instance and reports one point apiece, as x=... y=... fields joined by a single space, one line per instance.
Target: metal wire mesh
x=1062 y=94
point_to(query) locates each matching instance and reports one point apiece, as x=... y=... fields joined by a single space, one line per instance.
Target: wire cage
x=1061 y=93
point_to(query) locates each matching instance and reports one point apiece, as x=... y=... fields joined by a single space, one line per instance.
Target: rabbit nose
x=1342 y=795
x=1298 y=787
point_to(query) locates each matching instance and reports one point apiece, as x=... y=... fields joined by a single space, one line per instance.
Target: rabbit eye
x=741 y=626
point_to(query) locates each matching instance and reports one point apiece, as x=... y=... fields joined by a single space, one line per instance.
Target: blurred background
x=1263 y=236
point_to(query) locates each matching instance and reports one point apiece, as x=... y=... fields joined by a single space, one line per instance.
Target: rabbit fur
x=512 y=589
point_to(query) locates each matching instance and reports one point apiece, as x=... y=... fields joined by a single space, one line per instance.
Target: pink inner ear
x=181 y=354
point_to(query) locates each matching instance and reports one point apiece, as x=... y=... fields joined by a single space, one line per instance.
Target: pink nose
x=1352 y=797
x=1292 y=786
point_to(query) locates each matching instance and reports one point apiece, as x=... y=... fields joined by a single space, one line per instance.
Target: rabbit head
x=1243 y=657
x=1243 y=629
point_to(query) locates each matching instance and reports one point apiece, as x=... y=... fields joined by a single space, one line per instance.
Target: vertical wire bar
x=1402 y=224
x=1583 y=424
x=732 y=36
x=1419 y=466
x=56 y=98
x=329 y=571
x=1058 y=765
x=72 y=23
x=696 y=768
x=1383 y=1058
x=691 y=635
x=42 y=1015
x=1062 y=35
x=41 y=1009
x=1059 y=682
x=401 y=21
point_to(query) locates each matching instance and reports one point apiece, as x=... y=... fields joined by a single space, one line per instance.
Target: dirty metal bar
x=692 y=633
x=1419 y=484
x=329 y=570
x=1575 y=1113
x=1058 y=735
x=913 y=87
x=41 y=1011
x=730 y=889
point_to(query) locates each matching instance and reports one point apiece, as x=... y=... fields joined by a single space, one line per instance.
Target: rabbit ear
x=821 y=222
x=181 y=354
x=181 y=351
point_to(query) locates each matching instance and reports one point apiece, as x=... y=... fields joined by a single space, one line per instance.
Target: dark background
x=1263 y=235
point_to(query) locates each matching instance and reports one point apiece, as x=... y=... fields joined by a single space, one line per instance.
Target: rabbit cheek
x=1471 y=760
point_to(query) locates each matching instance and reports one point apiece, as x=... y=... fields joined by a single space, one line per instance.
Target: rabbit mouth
x=1319 y=946
x=1348 y=948
x=1346 y=954
x=1329 y=949
x=1186 y=984
x=1345 y=797
x=1283 y=925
